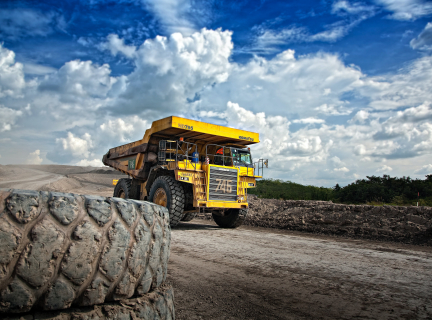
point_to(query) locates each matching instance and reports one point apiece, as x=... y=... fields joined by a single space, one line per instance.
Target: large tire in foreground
x=232 y=219
x=157 y=304
x=62 y=249
x=168 y=192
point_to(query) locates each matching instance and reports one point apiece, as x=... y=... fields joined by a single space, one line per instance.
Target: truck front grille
x=223 y=184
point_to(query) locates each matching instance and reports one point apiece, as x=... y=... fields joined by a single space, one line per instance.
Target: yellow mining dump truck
x=189 y=167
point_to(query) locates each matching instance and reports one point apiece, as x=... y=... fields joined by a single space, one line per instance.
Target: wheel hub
x=160 y=197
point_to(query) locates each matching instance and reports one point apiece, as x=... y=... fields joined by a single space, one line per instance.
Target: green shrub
x=287 y=190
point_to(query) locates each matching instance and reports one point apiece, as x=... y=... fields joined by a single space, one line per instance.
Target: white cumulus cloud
x=285 y=150
x=424 y=39
x=75 y=145
x=17 y=23
x=123 y=130
x=116 y=45
x=11 y=73
x=309 y=120
x=8 y=117
x=360 y=149
x=410 y=87
x=346 y=7
x=361 y=116
x=169 y=70
x=79 y=79
x=343 y=169
x=184 y=16
x=336 y=161
x=384 y=169
x=90 y=163
x=34 y=157
x=352 y=14
x=407 y=9
x=288 y=84
x=426 y=169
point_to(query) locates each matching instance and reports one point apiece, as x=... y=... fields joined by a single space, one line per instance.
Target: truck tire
x=61 y=249
x=233 y=218
x=189 y=216
x=188 y=190
x=168 y=192
x=123 y=188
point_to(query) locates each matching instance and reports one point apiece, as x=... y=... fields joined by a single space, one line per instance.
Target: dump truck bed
x=172 y=127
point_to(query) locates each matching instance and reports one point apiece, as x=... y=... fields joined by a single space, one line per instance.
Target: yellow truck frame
x=176 y=165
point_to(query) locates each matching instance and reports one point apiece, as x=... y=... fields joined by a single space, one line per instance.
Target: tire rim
x=160 y=197
x=122 y=194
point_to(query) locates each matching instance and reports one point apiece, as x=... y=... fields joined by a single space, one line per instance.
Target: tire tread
x=100 y=252
x=234 y=219
x=176 y=192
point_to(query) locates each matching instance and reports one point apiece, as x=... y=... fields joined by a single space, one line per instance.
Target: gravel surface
x=259 y=273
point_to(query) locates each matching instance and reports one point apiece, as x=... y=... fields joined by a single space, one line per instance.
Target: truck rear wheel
x=123 y=188
x=232 y=219
x=168 y=192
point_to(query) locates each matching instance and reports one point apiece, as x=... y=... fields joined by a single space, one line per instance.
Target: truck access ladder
x=201 y=183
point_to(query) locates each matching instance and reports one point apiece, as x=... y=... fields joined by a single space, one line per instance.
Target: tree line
x=287 y=190
x=373 y=190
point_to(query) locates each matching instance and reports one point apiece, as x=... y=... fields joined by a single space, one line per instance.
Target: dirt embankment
x=59 y=178
x=402 y=224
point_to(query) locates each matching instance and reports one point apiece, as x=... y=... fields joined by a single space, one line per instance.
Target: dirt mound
x=62 y=185
x=97 y=179
x=65 y=169
x=105 y=171
x=402 y=224
x=6 y=172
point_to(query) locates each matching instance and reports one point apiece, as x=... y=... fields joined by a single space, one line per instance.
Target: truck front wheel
x=233 y=218
x=168 y=192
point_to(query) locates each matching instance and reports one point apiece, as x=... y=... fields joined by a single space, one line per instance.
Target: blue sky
x=337 y=89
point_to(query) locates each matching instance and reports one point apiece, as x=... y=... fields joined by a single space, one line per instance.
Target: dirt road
x=27 y=178
x=257 y=273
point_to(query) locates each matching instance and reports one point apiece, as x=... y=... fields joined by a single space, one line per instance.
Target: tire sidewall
x=161 y=183
x=233 y=219
x=175 y=197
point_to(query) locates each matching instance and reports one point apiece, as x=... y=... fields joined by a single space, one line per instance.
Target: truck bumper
x=223 y=205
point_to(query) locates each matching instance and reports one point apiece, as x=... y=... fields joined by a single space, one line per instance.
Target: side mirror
x=266 y=163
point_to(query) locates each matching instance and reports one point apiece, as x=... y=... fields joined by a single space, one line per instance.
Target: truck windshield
x=242 y=157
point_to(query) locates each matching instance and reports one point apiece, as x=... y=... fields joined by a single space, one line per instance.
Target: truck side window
x=218 y=158
x=227 y=159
